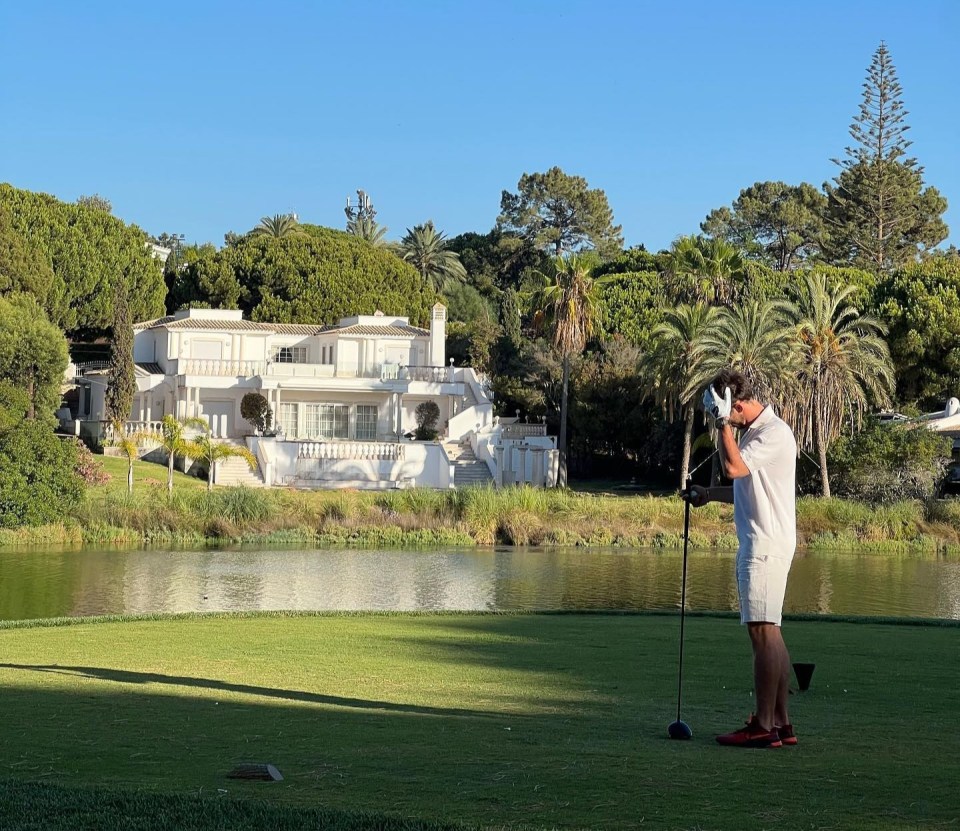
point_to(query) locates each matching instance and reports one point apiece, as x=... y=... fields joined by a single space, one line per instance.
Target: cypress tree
x=879 y=214
x=123 y=379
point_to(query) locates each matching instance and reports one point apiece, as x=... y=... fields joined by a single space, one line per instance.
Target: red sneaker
x=753 y=735
x=786 y=734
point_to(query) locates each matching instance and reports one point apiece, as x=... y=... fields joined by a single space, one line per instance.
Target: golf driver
x=680 y=729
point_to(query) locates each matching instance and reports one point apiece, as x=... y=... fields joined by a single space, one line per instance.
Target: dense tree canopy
x=38 y=480
x=921 y=305
x=89 y=252
x=22 y=266
x=317 y=276
x=779 y=224
x=497 y=260
x=635 y=304
x=559 y=213
x=33 y=354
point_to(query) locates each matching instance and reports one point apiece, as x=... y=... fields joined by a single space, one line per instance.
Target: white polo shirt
x=765 y=502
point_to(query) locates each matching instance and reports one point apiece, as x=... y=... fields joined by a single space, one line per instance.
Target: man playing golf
x=763 y=469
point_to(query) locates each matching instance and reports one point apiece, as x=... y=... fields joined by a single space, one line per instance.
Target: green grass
x=470 y=516
x=147 y=476
x=521 y=721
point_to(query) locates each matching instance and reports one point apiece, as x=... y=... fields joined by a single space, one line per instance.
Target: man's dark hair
x=741 y=389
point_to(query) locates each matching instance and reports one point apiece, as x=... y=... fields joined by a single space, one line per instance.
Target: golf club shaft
x=683 y=590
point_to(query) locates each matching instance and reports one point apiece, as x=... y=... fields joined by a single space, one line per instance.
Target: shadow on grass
x=124 y=677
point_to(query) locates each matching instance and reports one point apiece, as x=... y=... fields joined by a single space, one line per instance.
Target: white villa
x=343 y=399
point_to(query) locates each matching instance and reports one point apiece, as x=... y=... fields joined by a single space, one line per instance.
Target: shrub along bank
x=472 y=516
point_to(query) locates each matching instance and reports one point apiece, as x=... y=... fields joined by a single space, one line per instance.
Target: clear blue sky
x=201 y=117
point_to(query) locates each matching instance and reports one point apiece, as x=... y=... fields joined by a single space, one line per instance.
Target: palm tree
x=369 y=229
x=174 y=441
x=678 y=364
x=568 y=303
x=205 y=449
x=130 y=445
x=701 y=269
x=426 y=249
x=845 y=366
x=278 y=225
x=756 y=337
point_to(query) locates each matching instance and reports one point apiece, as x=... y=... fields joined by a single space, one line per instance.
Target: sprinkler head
x=680 y=730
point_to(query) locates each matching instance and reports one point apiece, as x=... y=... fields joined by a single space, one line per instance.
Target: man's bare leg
x=771 y=678
x=782 y=714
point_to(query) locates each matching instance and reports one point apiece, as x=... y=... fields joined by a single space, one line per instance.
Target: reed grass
x=472 y=516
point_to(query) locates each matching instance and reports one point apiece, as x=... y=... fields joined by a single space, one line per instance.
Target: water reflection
x=47 y=584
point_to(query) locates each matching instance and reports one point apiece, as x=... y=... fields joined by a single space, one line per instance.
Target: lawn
x=146 y=476
x=532 y=721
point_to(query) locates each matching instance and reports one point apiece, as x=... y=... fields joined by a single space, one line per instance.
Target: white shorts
x=761 y=584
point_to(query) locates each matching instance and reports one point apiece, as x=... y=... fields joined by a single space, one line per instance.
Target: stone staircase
x=467 y=468
x=235 y=471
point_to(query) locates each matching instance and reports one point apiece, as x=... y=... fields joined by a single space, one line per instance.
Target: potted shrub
x=427 y=415
x=256 y=410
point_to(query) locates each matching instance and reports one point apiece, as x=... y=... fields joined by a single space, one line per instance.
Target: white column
x=537 y=464
x=498 y=455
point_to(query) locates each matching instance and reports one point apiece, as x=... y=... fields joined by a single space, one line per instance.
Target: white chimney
x=438 y=335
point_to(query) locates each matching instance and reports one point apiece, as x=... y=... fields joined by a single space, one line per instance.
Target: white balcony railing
x=130 y=428
x=216 y=367
x=378 y=450
x=523 y=431
x=246 y=369
x=431 y=374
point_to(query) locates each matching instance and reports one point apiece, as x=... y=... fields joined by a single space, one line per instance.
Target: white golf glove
x=716 y=406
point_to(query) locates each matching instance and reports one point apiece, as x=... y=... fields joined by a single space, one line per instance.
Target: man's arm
x=700 y=496
x=731 y=461
x=720 y=494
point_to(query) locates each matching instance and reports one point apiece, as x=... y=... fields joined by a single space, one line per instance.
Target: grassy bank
x=520 y=721
x=514 y=516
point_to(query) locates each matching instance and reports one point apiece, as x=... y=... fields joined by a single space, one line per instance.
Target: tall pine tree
x=123 y=379
x=879 y=213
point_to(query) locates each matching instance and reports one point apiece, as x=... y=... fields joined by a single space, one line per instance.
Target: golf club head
x=680 y=730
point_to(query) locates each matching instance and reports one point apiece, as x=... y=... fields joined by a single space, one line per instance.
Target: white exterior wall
x=253 y=346
x=144 y=344
x=424 y=464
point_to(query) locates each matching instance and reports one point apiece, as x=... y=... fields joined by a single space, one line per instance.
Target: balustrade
x=130 y=428
x=432 y=374
x=360 y=450
x=202 y=366
x=523 y=431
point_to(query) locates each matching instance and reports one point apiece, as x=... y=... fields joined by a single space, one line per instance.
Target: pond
x=42 y=584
